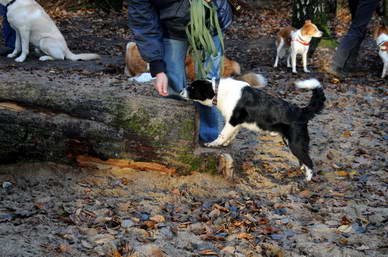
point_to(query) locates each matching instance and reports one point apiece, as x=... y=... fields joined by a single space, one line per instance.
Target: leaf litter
x=51 y=209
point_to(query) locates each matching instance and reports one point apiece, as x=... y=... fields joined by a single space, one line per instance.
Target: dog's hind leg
x=225 y=137
x=289 y=60
x=298 y=141
x=278 y=52
x=52 y=48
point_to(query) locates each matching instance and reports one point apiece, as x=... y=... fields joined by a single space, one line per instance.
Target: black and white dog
x=251 y=108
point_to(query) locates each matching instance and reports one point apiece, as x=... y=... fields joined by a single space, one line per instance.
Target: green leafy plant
x=200 y=30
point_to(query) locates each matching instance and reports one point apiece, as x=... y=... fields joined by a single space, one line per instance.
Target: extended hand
x=161 y=83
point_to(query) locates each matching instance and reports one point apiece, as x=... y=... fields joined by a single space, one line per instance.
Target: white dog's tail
x=254 y=79
x=85 y=57
x=317 y=101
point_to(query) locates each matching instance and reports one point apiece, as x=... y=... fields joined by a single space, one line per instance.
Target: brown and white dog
x=135 y=66
x=295 y=41
x=381 y=37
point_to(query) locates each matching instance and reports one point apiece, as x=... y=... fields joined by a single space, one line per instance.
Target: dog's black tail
x=317 y=100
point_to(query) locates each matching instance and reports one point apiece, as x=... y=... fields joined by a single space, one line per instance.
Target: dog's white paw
x=11 y=55
x=20 y=58
x=308 y=172
x=306 y=70
x=227 y=143
x=212 y=144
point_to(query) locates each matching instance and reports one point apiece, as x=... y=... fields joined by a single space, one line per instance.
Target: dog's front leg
x=385 y=69
x=293 y=61
x=230 y=139
x=304 y=58
x=17 y=49
x=24 y=40
x=226 y=134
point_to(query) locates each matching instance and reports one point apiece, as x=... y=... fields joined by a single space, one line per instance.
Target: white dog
x=33 y=24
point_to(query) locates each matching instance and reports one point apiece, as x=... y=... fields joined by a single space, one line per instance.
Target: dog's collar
x=7 y=5
x=299 y=40
x=215 y=83
x=381 y=43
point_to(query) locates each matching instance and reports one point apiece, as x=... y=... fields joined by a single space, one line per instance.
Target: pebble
x=7 y=185
x=127 y=223
x=167 y=232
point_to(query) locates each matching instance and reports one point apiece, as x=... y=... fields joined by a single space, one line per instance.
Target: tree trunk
x=51 y=122
x=318 y=12
x=385 y=12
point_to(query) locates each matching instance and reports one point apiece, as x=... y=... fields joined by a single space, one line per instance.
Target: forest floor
x=49 y=209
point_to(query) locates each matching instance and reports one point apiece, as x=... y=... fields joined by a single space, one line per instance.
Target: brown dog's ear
x=307 y=22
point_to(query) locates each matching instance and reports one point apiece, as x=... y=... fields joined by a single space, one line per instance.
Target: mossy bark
x=55 y=123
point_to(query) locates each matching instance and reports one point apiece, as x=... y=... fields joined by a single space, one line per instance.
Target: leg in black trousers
x=362 y=12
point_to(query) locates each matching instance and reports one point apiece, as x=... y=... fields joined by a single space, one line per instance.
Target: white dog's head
x=200 y=91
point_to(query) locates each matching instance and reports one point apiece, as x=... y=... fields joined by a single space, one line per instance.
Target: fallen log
x=50 y=122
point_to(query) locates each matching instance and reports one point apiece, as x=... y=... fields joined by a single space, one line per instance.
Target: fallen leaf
x=305 y=193
x=335 y=81
x=263 y=221
x=347 y=133
x=158 y=218
x=345 y=228
x=207 y=252
x=245 y=236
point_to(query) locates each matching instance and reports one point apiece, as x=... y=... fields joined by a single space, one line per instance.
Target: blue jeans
x=174 y=59
x=8 y=33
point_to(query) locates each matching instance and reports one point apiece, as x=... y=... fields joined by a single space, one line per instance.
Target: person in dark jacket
x=9 y=34
x=347 y=52
x=159 y=30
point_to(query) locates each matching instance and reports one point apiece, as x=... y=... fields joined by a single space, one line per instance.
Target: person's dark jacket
x=153 y=20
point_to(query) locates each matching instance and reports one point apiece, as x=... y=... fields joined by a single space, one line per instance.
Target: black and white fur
x=251 y=108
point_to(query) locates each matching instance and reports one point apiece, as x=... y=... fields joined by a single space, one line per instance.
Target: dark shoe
x=5 y=51
x=331 y=70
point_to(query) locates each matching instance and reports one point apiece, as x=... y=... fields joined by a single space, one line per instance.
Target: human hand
x=161 y=83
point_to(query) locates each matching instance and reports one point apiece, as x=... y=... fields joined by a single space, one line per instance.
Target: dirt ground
x=49 y=209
